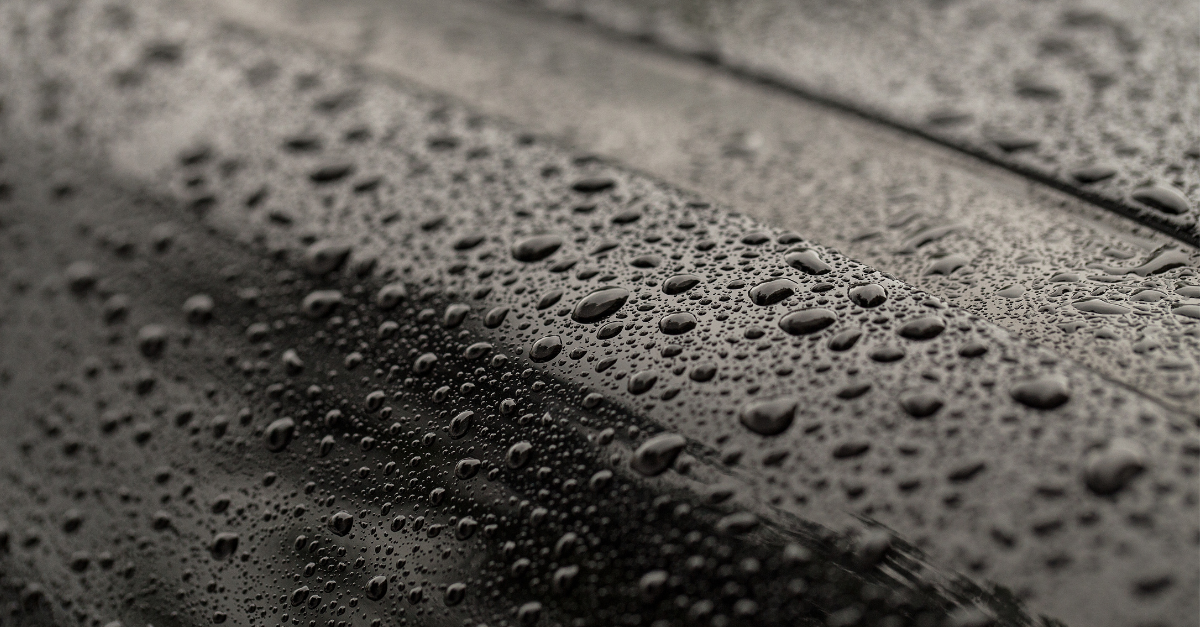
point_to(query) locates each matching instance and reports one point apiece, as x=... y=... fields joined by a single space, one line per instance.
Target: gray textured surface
x=842 y=181
x=106 y=112
x=1047 y=88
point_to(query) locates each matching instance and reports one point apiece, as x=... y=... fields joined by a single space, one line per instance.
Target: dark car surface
x=599 y=313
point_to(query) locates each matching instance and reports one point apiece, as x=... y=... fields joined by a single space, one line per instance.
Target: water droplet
x=477 y=350
x=564 y=578
x=341 y=523
x=455 y=314
x=82 y=276
x=680 y=283
x=495 y=317
x=773 y=291
x=518 y=454
x=845 y=340
x=1009 y=141
x=641 y=382
x=677 y=323
x=657 y=454
x=455 y=594
x=600 y=304
x=609 y=330
x=920 y=404
x=461 y=423
x=1097 y=306
x=152 y=340
x=377 y=587
x=423 y=364
x=536 y=248
x=1012 y=291
x=593 y=185
x=331 y=173
x=550 y=298
x=1163 y=260
x=867 y=295
x=467 y=242
x=322 y=258
x=770 y=417
x=278 y=434
x=198 y=308
x=973 y=349
x=391 y=295
x=948 y=264
x=321 y=303
x=703 y=372
x=1109 y=470
x=807 y=261
x=853 y=391
x=847 y=450
x=1164 y=198
x=224 y=544
x=737 y=524
x=545 y=349
x=652 y=584
x=529 y=613
x=807 y=321
x=466 y=468
x=646 y=261
x=1041 y=392
x=1190 y=311
x=629 y=216
x=923 y=328
x=1147 y=296
x=1093 y=174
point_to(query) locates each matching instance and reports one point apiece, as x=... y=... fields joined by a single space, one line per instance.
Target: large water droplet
x=391 y=295
x=845 y=340
x=518 y=454
x=680 y=283
x=278 y=434
x=224 y=544
x=923 y=328
x=920 y=404
x=806 y=321
x=536 y=248
x=657 y=454
x=808 y=261
x=495 y=317
x=867 y=295
x=545 y=349
x=770 y=417
x=677 y=323
x=1041 y=393
x=341 y=523
x=773 y=291
x=377 y=587
x=641 y=382
x=600 y=304
x=1097 y=306
x=1109 y=470
x=1164 y=198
